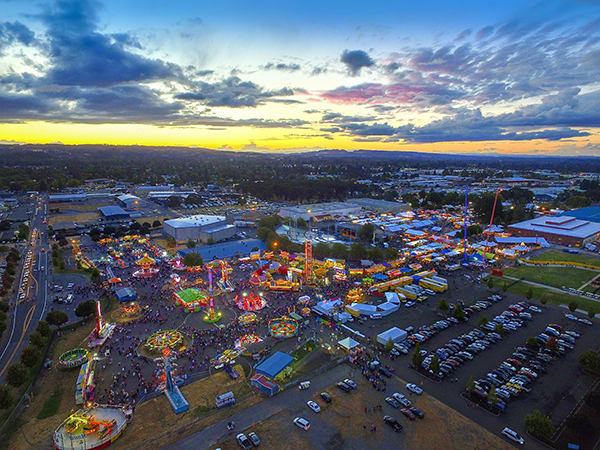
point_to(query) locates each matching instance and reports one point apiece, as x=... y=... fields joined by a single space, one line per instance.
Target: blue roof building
x=274 y=365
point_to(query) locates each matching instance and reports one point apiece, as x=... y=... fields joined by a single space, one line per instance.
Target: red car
x=408 y=413
x=514 y=362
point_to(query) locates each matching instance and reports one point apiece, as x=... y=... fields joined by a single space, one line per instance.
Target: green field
x=553 y=276
x=555 y=297
x=553 y=255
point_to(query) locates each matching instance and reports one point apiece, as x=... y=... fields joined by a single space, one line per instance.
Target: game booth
x=191 y=300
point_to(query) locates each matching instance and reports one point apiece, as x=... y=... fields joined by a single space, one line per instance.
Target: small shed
x=274 y=365
x=125 y=294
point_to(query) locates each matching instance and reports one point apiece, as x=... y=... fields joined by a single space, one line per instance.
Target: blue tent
x=274 y=365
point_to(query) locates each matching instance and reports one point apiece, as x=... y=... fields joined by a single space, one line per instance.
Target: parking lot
x=554 y=393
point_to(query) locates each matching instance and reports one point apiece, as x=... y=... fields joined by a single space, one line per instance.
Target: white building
x=199 y=228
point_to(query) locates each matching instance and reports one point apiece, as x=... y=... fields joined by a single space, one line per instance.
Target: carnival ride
x=283 y=327
x=170 y=387
x=171 y=339
x=213 y=316
x=248 y=339
x=355 y=296
x=127 y=313
x=146 y=264
x=227 y=357
x=247 y=317
x=92 y=428
x=73 y=358
x=101 y=332
x=250 y=302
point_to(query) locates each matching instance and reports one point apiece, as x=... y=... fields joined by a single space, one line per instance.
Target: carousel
x=147 y=268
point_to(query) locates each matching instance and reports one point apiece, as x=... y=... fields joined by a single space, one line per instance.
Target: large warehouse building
x=200 y=228
x=563 y=230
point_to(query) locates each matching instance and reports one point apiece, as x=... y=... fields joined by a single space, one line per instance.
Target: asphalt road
x=244 y=419
x=28 y=313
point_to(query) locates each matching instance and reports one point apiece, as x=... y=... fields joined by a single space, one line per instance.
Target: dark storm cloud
x=282 y=66
x=15 y=32
x=81 y=56
x=232 y=92
x=19 y=108
x=356 y=60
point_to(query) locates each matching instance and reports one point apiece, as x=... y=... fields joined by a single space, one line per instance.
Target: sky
x=488 y=77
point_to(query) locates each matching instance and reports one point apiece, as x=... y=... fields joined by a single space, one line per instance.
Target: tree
x=210 y=241
x=434 y=365
x=366 y=232
x=505 y=287
x=357 y=251
x=592 y=312
x=529 y=293
x=44 y=329
x=532 y=342
x=156 y=224
x=581 y=423
x=95 y=274
x=321 y=250
x=552 y=344
x=16 y=374
x=490 y=282
x=543 y=300
x=193 y=259
x=459 y=313
x=57 y=318
x=30 y=355
x=417 y=358
x=37 y=339
x=492 y=397
x=499 y=328
x=590 y=360
x=539 y=424
x=4 y=306
x=190 y=243
x=390 y=253
x=573 y=305
x=339 y=251
x=470 y=385
x=389 y=345
x=443 y=305
x=375 y=254
x=171 y=242
x=6 y=399
x=484 y=320
x=301 y=223
x=85 y=308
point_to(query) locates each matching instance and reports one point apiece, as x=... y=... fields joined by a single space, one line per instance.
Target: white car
x=535 y=309
x=409 y=304
x=350 y=383
x=401 y=399
x=513 y=435
x=313 y=405
x=414 y=388
x=302 y=423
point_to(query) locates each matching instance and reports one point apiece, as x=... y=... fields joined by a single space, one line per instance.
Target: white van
x=376 y=316
x=304 y=385
x=513 y=435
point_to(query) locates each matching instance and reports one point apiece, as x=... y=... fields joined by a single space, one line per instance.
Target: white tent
x=363 y=309
x=392 y=297
x=387 y=308
x=395 y=334
x=348 y=343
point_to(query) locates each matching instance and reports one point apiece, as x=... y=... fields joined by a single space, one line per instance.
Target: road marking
x=26 y=323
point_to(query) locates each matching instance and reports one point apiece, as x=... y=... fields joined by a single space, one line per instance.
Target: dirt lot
x=79 y=218
x=341 y=425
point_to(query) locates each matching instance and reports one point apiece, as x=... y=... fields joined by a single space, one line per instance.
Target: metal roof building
x=564 y=230
x=113 y=212
x=199 y=228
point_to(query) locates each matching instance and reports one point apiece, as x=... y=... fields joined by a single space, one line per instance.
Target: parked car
x=513 y=435
x=325 y=396
x=302 y=423
x=350 y=383
x=408 y=413
x=254 y=438
x=401 y=399
x=393 y=423
x=392 y=401
x=314 y=406
x=414 y=388
x=343 y=386
x=417 y=412
x=243 y=441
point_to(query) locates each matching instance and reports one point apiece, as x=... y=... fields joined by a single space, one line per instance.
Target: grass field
x=80 y=208
x=553 y=276
x=553 y=255
x=558 y=298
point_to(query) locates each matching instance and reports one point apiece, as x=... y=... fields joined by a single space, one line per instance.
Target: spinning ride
x=247 y=318
x=250 y=302
x=283 y=327
x=73 y=358
x=160 y=340
x=146 y=264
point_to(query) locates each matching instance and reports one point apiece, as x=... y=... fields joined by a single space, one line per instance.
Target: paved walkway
x=244 y=419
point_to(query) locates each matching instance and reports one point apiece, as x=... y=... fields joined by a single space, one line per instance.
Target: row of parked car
x=512 y=376
x=577 y=319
